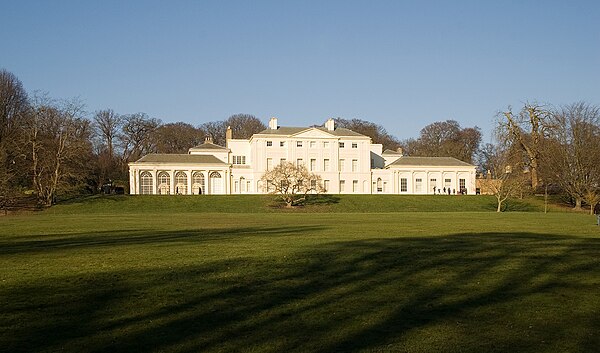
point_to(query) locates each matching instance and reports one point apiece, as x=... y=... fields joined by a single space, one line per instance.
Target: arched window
x=164 y=182
x=216 y=185
x=146 y=183
x=379 y=185
x=198 y=183
x=181 y=183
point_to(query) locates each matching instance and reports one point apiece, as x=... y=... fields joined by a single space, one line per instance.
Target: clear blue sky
x=397 y=63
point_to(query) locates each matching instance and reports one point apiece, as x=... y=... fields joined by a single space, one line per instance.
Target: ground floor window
x=418 y=185
x=198 y=183
x=164 y=182
x=403 y=185
x=326 y=185
x=146 y=183
x=181 y=183
x=462 y=184
x=216 y=184
x=379 y=185
x=342 y=185
x=354 y=185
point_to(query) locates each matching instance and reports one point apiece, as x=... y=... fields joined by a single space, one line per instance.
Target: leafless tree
x=58 y=139
x=445 y=139
x=505 y=177
x=526 y=129
x=108 y=125
x=243 y=126
x=136 y=136
x=377 y=133
x=13 y=109
x=292 y=183
x=572 y=154
x=216 y=130
x=176 y=137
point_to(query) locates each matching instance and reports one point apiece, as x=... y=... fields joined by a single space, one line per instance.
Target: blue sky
x=397 y=63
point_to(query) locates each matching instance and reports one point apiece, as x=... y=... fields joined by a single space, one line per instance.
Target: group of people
x=449 y=191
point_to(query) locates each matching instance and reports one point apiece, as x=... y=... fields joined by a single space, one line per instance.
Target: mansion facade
x=348 y=163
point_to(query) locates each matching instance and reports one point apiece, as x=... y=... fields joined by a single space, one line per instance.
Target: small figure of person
x=444 y=189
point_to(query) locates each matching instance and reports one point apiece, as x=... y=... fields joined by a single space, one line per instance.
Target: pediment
x=313 y=133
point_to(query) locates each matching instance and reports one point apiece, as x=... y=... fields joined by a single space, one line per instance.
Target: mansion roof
x=288 y=131
x=429 y=162
x=209 y=146
x=179 y=159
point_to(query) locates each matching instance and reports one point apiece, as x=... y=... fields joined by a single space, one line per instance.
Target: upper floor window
x=298 y=143
x=269 y=143
x=239 y=159
x=281 y=143
x=341 y=145
x=325 y=144
x=313 y=144
x=354 y=145
x=355 y=165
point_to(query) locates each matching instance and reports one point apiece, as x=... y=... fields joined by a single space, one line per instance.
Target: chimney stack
x=273 y=123
x=330 y=124
x=228 y=135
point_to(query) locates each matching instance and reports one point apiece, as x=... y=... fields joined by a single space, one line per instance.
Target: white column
x=172 y=182
x=137 y=181
x=189 y=182
x=207 y=191
x=154 y=182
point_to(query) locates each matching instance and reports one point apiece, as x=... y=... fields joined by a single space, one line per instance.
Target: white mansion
x=348 y=163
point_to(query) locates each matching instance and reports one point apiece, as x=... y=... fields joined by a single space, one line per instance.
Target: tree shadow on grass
x=465 y=292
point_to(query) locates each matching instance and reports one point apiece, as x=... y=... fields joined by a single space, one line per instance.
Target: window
x=281 y=143
x=248 y=185
x=342 y=185
x=299 y=162
x=236 y=186
x=354 y=145
x=379 y=185
x=326 y=165
x=239 y=159
x=355 y=165
x=447 y=183
x=269 y=163
x=354 y=185
x=326 y=185
x=216 y=183
x=282 y=160
x=312 y=144
x=403 y=185
x=433 y=184
x=298 y=143
x=180 y=183
x=164 y=181
x=146 y=183
x=341 y=145
x=418 y=185
x=313 y=165
x=269 y=143
x=198 y=183
x=462 y=185
x=341 y=165
x=325 y=144
x=243 y=184
x=313 y=184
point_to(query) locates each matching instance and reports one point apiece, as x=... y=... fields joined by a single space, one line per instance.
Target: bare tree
x=292 y=183
x=572 y=154
x=216 y=130
x=58 y=139
x=527 y=129
x=243 y=126
x=13 y=109
x=445 y=139
x=136 y=137
x=376 y=132
x=108 y=124
x=505 y=177
x=176 y=137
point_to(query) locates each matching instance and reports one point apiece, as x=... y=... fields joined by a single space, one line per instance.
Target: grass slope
x=266 y=204
x=157 y=278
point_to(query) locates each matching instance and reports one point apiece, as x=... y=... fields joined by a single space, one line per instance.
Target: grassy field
x=234 y=274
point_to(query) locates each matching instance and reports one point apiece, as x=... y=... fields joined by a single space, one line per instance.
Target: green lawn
x=166 y=274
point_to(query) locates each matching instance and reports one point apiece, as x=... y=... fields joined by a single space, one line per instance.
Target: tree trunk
x=499 y=206
x=577 y=203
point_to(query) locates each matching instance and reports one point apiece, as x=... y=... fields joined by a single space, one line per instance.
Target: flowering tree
x=291 y=183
